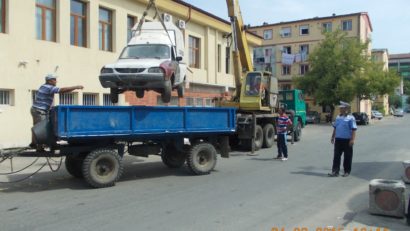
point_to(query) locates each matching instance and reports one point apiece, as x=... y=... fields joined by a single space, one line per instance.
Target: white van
x=152 y=60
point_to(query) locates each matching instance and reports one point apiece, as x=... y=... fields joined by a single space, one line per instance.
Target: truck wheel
x=181 y=90
x=268 y=135
x=172 y=157
x=139 y=93
x=258 y=138
x=201 y=158
x=102 y=168
x=73 y=165
x=114 y=95
x=166 y=92
x=298 y=132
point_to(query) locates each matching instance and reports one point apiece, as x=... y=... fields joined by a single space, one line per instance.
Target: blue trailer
x=94 y=139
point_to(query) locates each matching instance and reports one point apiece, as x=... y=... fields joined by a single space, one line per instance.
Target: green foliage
x=406 y=86
x=341 y=69
x=408 y=100
x=395 y=101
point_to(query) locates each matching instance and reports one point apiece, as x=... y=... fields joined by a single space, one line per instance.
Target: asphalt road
x=243 y=193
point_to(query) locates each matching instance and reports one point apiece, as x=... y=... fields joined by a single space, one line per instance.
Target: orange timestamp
x=341 y=228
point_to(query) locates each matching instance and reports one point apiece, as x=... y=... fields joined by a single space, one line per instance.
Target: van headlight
x=106 y=70
x=157 y=70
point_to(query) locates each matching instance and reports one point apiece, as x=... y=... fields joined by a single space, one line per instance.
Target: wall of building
x=26 y=60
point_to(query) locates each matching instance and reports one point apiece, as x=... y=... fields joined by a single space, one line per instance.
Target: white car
x=376 y=115
x=398 y=112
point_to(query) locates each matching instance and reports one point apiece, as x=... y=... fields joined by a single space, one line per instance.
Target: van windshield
x=146 y=51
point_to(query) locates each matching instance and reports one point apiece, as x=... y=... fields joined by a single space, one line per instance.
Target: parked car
x=313 y=117
x=361 y=118
x=398 y=112
x=376 y=115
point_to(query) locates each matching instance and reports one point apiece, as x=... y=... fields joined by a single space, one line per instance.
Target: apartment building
x=286 y=47
x=76 y=38
x=401 y=63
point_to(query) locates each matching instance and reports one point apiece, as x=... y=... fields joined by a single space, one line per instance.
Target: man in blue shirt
x=43 y=101
x=343 y=136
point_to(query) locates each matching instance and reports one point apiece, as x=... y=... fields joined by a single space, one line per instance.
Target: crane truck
x=257 y=96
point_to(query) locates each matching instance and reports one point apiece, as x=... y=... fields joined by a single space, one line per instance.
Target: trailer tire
x=73 y=165
x=166 y=92
x=268 y=135
x=201 y=158
x=258 y=137
x=172 y=157
x=102 y=168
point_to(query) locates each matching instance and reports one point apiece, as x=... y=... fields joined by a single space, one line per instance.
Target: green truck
x=294 y=103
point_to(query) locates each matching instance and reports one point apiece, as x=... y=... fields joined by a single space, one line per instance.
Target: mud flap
x=224 y=146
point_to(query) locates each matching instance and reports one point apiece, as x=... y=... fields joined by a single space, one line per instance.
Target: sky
x=390 y=18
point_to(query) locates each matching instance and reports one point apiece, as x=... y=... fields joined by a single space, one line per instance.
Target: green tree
x=406 y=86
x=395 y=101
x=341 y=69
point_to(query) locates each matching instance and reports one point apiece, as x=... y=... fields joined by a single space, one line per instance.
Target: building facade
x=75 y=38
x=401 y=63
x=381 y=102
x=286 y=47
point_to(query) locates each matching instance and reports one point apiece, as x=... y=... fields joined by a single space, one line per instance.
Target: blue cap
x=50 y=77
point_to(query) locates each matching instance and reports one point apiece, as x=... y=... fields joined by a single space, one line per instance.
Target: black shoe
x=333 y=174
x=346 y=174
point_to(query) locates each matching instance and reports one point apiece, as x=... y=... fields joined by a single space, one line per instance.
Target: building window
x=304 y=68
x=195 y=102
x=209 y=103
x=90 y=99
x=219 y=58
x=46 y=20
x=6 y=97
x=2 y=16
x=304 y=29
x=227 y=60
x=347 y=25
x=286 y=32
x=105 y=30
x=304 y=49
x=194 y=44
x=287 y=50
x=107 y=100
x=78 y=23
x=327 y=27
x=267 y=34
x=68 y=98
x=131 y=20
x=285 y=87
x=286 y=70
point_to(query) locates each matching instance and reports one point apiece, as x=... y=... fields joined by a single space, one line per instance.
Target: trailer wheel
x=258 y=138
x=268 y=135
x=172 y=157
x=102 y=168
x=166 y=92
x=201 y=158
x=114 y=95
x=73 y=165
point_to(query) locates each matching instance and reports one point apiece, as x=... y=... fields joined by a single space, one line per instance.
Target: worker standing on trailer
x=43 y=100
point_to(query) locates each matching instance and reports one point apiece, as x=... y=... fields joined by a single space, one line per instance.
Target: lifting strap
x=151 y=3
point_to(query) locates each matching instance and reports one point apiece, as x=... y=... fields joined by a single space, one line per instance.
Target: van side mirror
x=179 y=58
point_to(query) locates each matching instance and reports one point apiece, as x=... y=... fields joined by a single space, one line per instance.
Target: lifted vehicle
x=152 y=60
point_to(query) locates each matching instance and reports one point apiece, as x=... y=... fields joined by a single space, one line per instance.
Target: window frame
x=194 y=47
x=219 y=58
x=288 y=68
x=325 y=28
x=76 y=31
x=267 y=34
x=227 y=60
x=304 y=45
x=7 y=97
x=107 y=100
x=303 y=69
x=304 y=27
x=287 y=49
x=71 y=96
x=129 y=29
x=89 y=96
x=45 y=8
x=286 y=35
x=105 y=25
x=3 y=16
x=350 y=23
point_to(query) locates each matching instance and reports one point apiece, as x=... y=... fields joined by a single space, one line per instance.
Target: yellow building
x=381 y=56
x=286 y=47
x=80 y=36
